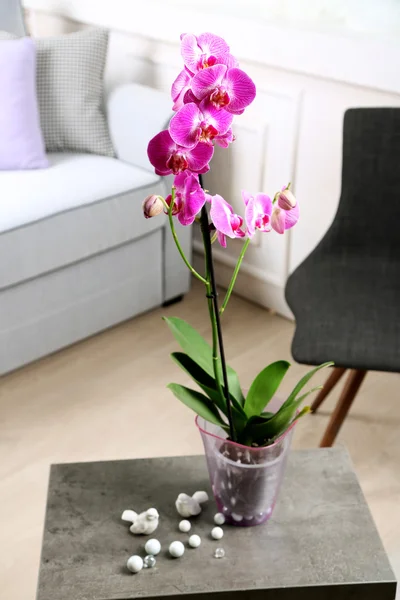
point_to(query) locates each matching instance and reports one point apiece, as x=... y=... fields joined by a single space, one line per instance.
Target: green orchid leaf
x=192 y=343
x=266 y=415
x=264 y=387
x=199 y=376
x=199 y=403
x=304 y=380
x=304 y=411
x=209 y=387
x=280 y=422
x=200 y=351
x=260 y=419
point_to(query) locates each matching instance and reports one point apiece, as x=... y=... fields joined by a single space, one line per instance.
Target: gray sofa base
x=59 y=308
x=93 y=260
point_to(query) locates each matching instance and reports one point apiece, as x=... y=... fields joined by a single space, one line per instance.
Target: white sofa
x=77 y=255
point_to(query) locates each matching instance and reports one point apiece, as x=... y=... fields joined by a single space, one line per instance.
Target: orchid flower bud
x=152 y=206
x=286 y=199
x=278 y=220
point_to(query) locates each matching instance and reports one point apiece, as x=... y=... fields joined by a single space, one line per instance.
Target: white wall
x=292 y=132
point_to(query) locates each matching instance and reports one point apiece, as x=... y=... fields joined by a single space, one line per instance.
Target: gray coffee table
x=320 y=544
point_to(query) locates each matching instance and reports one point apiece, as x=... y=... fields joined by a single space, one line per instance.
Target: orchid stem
x=176 y=240
x=215 y=321
x=234 y=276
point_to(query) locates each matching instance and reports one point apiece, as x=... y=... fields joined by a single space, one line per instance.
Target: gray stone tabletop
x=320 y=543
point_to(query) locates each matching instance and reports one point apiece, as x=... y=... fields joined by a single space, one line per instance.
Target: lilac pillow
x=21 y=139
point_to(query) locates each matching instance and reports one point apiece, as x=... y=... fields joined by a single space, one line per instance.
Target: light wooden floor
x=105 y=398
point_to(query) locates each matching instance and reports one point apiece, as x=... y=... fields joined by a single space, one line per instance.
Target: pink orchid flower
x=286 y=212
x=226 y=222
x=179 y=89
x=168 y=157
x=205 y=51
x=226 y=88
x=258 y=212
x=189 y=197
x=193 y=124
x=261 y=213
x=225 y=139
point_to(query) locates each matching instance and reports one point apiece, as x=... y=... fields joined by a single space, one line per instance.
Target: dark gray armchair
x=346 y=295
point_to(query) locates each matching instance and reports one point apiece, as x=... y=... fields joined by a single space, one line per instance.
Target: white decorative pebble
x=176 y=549
x=219 y=519
x=129 y=516
x=194 y=541
x=135 y=564
x=219 y=553
x=217 y=533
x=152 y=547
x=237 y=517
x=185 y=526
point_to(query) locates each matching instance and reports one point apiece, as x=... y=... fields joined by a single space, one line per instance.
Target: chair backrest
x=368 y=215
x=11 y=17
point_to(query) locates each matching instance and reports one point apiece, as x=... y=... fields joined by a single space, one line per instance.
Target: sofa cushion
x=80 y=206
x=69 y=80
x=21 y=139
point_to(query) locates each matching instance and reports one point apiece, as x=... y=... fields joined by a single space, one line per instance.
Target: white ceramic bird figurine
x=145 y=523
x=201 y=497
x=129 y=516
x=189 y=506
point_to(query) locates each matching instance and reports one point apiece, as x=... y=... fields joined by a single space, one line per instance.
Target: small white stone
x=217 y=533
x=200 y=497
x=185 y=526
x=194 y=541
x=152 y=547
x=129 y=516
x=219 y=519
x=135 y=564
x=176 y=549
x=237 y=517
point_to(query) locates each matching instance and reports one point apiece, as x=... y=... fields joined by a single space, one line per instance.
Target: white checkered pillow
x=69 y=78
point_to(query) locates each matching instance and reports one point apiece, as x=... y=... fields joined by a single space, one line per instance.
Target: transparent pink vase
x=245 y=481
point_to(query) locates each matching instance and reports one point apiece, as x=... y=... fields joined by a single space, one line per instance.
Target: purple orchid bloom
x=168 y=157
x=226 y=222
x=225 y=139
x=205 y=51
x=258 y=212
x=193 y=124
x=189 y=197
x=179 y=88
x=231 y=89
x=286 y=211
x=261 y=213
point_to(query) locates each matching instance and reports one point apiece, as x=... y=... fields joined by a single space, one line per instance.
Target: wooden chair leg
x=330 y=383
x=348 y=394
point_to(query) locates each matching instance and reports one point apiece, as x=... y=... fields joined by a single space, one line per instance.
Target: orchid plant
x=207 y=94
